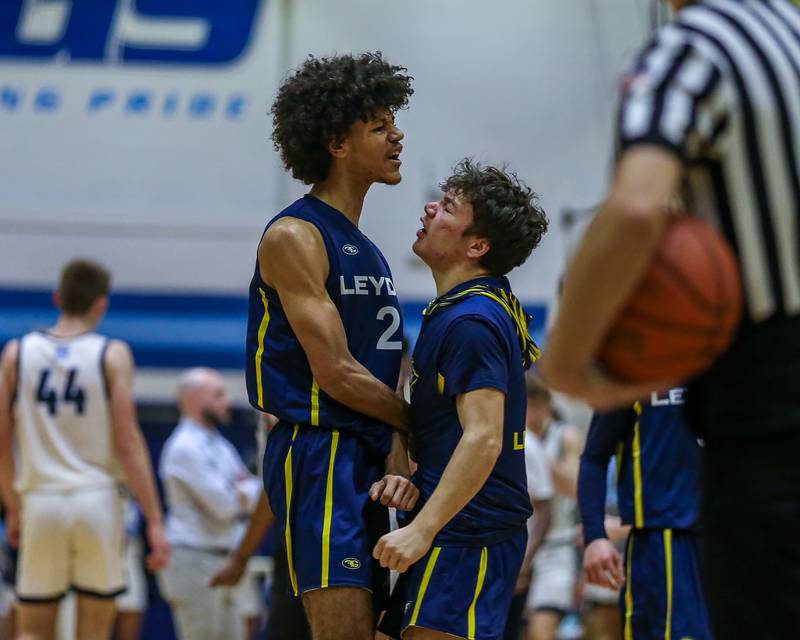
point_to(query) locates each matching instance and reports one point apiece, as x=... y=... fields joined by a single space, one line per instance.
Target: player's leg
x=95 y=617
x=36 y=621
x=42 y=572
x=132 y=604
x=543 y=624
x=97 y=537
x=325 y=607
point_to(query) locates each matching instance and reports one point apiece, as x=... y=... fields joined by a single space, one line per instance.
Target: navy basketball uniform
x=658 y=493
x=322 y=457
x=474 y=337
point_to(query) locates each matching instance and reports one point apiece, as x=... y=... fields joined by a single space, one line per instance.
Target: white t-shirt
x=540 y=482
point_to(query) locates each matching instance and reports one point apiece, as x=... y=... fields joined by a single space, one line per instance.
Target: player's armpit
x=293 y=261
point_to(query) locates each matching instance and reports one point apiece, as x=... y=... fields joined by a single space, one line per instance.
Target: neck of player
x=448 y=277
x=343 y=191
x=68 y=326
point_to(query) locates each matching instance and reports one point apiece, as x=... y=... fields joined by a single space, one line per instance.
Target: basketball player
x=552 y=591
x=66 y=396
x=466 y=545
x=711 y=105
x=658 y=496
x=324 y=338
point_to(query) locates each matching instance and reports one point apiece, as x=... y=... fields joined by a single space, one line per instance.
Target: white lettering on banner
x=366 y=285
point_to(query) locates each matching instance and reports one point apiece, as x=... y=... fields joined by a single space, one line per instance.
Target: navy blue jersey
x=658 y=466
x=279 y=378
x=470 y=339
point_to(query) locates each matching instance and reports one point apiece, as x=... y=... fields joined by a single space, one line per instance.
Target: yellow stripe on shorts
x=668 y=561
x=262 y=331
x=326 y=524
x=478 y=589
x=426 y=578
x=287 y=533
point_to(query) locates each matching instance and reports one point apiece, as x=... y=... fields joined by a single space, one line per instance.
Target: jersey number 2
x=49 y=396
x=394 y=325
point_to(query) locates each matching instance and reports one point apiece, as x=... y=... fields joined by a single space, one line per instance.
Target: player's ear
x=56 y=299
x=338 y=147
x=478 y=247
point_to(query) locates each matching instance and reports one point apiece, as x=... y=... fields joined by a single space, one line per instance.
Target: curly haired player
x=324 y=339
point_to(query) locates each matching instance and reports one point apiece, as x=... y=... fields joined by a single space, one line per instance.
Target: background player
x=62 y=495
x=552 y=591
x=468 y=411
x=325 y=334
x=658 y=489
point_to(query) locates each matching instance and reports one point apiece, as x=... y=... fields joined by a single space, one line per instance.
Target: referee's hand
x=395 y=491
x=603 y=564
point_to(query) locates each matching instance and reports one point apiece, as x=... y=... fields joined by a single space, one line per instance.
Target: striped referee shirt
x=720 y=86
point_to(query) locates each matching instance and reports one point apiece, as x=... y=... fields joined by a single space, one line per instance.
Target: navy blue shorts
x=463 y=591
x=317 y=481
x=663 y=596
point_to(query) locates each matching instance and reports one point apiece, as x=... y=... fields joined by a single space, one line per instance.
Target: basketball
x=685 y=311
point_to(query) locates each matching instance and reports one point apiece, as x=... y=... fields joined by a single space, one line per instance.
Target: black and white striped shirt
x=721 y=87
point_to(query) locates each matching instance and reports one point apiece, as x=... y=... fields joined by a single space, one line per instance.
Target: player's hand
x=603 y=564
x=395 y=491
x=229 y=573
x=160 y=551
x=402 y=547
x=13 y=527
x=599 y=390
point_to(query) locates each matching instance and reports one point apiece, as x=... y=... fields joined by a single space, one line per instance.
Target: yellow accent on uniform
x=629 y=593
x=478 y=588
x=637 y=470
x=287 y=533
x=440 y=383
x=668 y=558
x=314 y=403
x=326 y=523
x=262 y=331
x=426 y=578
x=519 y=445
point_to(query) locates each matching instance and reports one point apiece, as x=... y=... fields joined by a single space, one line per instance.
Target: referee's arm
x=612 y=259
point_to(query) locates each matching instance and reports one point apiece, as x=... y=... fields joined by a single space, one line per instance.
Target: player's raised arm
x=8 y=384
x=293 y=261
x=132 y=450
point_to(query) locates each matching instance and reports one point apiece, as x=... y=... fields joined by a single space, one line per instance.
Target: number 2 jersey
x=279 y=378
x=62 y=417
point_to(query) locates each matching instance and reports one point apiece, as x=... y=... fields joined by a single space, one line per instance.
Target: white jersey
x=562 y=525
x=63 y=423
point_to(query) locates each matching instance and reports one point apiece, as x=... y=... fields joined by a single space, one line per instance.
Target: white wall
x=178 y=203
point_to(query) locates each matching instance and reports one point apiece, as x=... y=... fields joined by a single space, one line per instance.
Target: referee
x=711 y=109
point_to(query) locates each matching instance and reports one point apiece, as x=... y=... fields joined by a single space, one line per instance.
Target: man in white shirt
x=208 y=490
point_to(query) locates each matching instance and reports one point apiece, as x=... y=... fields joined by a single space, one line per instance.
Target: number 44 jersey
x=279 y=378
x=61 y=410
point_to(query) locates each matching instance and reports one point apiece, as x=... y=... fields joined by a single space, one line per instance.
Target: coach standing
x=208 y=491
x=712 y=106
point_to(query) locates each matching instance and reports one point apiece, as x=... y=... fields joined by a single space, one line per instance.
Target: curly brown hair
x=505 y=211
x=322 y=100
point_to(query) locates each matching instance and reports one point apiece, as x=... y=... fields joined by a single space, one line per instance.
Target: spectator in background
x=208 y=491
x=552 y=591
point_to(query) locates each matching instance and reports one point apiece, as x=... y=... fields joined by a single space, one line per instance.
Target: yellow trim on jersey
x=326 y=523
x=638 y=503
x=423 y=586
x=440 y=383
x=478 y=589
x=629 y=591
x=314 y=403
x=287 y=533
x=262 y=331
x=668 y=560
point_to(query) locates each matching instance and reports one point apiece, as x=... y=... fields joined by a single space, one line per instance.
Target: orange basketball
x=684 y=312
